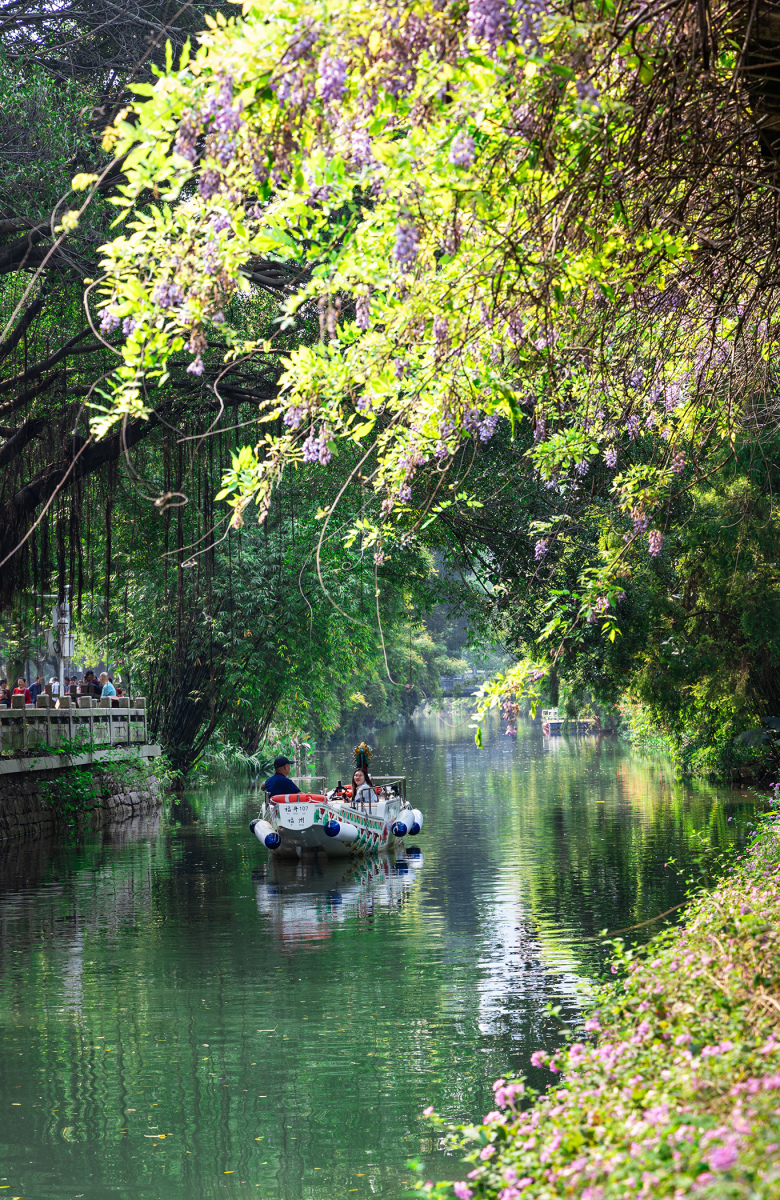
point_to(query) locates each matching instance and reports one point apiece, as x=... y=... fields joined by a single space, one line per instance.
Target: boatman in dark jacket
x=279 y=784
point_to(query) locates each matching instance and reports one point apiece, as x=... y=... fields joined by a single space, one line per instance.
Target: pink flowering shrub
x=677 y=1090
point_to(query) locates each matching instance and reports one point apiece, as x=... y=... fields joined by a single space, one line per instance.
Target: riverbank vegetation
x=672 y=1086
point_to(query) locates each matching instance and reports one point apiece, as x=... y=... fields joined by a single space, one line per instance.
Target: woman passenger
x=361 y=788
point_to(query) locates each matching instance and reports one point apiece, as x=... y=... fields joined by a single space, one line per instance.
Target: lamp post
x=60 y=620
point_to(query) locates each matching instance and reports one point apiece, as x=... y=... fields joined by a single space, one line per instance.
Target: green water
x=283 y=1029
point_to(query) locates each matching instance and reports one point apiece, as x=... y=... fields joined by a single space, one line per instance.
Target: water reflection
x=179 y=1017
x=304 y=900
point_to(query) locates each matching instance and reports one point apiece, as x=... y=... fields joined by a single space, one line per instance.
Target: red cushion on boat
x=296 y=798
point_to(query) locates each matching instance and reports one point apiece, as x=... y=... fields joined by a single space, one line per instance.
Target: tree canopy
x=499 y=277
x=522 y=212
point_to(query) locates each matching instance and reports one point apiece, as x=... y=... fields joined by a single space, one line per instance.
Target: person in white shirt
x=361 y=788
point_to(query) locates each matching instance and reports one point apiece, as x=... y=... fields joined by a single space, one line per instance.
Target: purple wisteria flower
x=672 y=396
x=540 y=552
x=293 y=416
x=655 y=540
x=168 y=294
x=641 y=522
x=109 y=320
x=361 y=147
x=461 y=1191
x=316 y=449
x=211 y=256
x=490 y=21
x=516 y=326
x=610 y=457
x=587 y=94
x=462 y=150
x=129 y=326
x=304 y=38
x=441 y=329
x=407 y=242
x=332 y=77
x=470 y=419
x=196 y=366
x=487 y=427
x=678 y=462
x=632 y=426
x=363 y=312
x=208 y=184
x=190 y=128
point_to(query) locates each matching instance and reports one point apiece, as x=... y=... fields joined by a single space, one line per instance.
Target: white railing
x=93 y=723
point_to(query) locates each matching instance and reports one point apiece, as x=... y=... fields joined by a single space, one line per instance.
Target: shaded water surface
x=178 y=1018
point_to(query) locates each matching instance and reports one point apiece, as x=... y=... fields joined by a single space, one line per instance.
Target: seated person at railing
x=279 y=784
x=22 y=689
x=107 y=688
x=90 y=686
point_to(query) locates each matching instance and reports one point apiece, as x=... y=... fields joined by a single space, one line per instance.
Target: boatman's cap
x=281 y=761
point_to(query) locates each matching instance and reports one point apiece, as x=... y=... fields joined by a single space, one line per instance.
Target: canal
x=180 y=1019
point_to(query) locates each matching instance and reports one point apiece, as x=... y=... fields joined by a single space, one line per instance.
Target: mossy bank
x=37 y=803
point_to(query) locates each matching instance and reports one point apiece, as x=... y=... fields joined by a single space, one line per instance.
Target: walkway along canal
x=179 y=1020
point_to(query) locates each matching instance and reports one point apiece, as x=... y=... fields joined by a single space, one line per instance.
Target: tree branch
x=12 y=405
x=17 y=442
x=47 y=363
x=27 y=319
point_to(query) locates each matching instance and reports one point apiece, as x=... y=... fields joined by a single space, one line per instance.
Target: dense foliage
x=463 y=195
x=673 y=1089
x=221 y=630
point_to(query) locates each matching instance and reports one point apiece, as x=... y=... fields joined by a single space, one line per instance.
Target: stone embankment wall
x=25 y=812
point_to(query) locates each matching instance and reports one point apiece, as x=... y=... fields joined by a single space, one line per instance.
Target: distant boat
x=553 y=723
x=291 y=826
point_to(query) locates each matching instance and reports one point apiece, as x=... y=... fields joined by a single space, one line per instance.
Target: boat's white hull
x=294 y=828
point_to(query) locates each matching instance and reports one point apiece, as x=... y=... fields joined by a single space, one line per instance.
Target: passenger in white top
x=361 y=788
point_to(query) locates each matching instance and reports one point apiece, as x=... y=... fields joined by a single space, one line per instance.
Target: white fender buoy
x=417 y=823
x=347 y=833
x=266 y=834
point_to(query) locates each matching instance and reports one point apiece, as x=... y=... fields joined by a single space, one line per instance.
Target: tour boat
x=293 y=825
